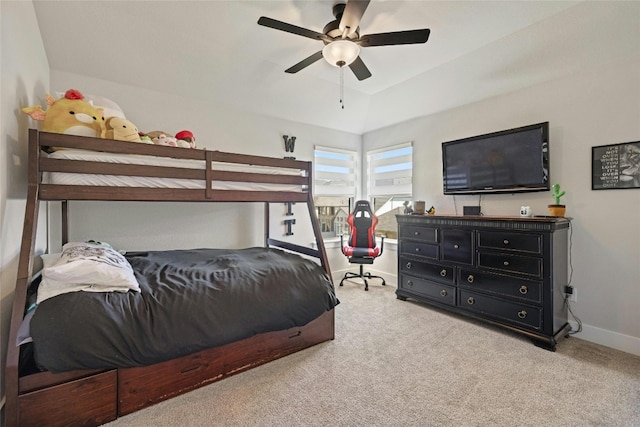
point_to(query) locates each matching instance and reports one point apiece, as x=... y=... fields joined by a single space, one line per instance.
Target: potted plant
x=557 y=209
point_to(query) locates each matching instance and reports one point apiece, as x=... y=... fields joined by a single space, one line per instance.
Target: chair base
x=363 y=276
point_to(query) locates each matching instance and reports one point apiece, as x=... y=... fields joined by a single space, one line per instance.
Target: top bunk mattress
x=67 y=178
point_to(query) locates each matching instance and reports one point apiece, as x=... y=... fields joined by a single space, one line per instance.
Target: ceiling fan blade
x=304 y=63
x=294 y=29
x=395 y=38
x=359 y=69
x=352 y=15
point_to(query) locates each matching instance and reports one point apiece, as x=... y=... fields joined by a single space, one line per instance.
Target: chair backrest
x=363 y=224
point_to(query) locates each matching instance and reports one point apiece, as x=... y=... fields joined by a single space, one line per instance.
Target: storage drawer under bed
x=88 y=401
x=144 y=386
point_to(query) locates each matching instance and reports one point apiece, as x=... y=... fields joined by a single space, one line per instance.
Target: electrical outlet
x=574 y=295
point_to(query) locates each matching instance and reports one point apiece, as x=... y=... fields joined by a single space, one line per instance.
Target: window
x=389 y=184
x=335 y=178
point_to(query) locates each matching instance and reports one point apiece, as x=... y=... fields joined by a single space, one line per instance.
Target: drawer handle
x=417 y=249
x=443 y=293
x=522 y=314
x=470 y=301
x=416 y=233
x=505 y=263
x=456 y=246
x=188 y=370
x=523 y=290
x=409 y=265
x=443 y=273
x=505 y=241
x=470 y=278
x=410 y=283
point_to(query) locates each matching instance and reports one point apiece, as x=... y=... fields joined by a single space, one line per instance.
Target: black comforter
x=190 y=300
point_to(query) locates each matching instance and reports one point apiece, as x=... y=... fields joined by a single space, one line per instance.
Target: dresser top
x=505 y=222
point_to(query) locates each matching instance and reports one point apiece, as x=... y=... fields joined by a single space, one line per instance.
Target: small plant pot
x=557 y=210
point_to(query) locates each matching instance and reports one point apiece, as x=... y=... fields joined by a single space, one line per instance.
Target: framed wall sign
x=615 y=166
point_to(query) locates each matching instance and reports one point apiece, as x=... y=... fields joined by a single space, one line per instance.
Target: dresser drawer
x=529 y=266
x=414 y=232
x=435 y=291
x=419 y=249
x=511 y=312
x=457 y=246
x=426 y=270
x=529 y=290
x=510 y=241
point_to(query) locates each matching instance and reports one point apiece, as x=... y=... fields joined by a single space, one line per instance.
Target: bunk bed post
x=65 y=222
x=317 y=232
x=25 y=265
x=267 y=228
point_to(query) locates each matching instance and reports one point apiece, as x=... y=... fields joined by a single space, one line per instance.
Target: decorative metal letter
x=289 y=205
x=289 y=143
x=287 y=224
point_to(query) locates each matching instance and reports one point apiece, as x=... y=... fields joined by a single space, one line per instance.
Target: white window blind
x=390 y=170
x=335 y=172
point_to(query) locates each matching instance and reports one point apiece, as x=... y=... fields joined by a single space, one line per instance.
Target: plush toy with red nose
x=186 y=139
x=71 y=115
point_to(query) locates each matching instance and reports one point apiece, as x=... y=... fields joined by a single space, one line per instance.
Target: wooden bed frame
x=99 y=396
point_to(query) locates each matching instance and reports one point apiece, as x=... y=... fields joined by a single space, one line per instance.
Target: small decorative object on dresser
x=509 y=272
x=419 y=206
x=557 y=209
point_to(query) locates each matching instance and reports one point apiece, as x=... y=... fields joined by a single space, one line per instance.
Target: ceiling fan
x=342 y=38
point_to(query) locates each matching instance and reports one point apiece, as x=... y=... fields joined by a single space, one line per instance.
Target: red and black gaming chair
x=361 y=248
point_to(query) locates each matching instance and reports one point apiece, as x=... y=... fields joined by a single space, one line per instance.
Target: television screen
x=509 y=161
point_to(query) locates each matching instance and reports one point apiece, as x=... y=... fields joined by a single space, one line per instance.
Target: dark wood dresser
x=509 y=272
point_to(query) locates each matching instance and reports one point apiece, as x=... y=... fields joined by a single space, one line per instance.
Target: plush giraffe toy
x=70 y=115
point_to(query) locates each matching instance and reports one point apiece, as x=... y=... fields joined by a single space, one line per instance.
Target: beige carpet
x=396 y=363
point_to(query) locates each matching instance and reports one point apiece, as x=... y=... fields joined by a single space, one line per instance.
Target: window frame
x=391 y=169
x=341 y=166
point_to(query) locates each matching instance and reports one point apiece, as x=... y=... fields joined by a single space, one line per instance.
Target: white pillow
x=90 y=266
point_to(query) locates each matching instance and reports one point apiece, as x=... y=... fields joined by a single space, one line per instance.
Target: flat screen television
x=509 y=161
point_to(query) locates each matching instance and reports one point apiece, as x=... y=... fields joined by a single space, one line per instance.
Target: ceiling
x=215 y=51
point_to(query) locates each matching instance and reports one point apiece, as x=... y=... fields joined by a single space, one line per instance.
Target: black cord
x=567 y=301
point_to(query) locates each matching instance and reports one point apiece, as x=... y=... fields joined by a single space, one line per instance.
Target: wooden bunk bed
x=97 y=396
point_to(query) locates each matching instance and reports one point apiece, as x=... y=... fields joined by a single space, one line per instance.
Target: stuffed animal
x=163 y=139
x=122 y=130
x=156 y=133
x=110 y=108
x=186 y=139
x=70 y=115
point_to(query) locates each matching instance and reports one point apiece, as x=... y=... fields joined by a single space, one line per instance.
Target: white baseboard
x=612 y=339
x=604 y=337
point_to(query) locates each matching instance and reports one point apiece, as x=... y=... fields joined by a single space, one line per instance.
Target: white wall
x=24 y=72
x=596 y=106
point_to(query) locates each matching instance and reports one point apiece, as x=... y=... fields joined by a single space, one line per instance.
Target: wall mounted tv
x=509 y=161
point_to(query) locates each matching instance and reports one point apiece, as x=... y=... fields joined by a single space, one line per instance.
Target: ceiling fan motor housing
x=332 y=29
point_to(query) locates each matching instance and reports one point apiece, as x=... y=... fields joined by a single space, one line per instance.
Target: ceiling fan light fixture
x=341 y=52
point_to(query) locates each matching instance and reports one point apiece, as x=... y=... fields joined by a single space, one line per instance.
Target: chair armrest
x=381 y=245
x=342 y=244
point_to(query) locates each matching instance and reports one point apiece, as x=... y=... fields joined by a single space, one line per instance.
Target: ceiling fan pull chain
x=342 y=86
